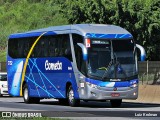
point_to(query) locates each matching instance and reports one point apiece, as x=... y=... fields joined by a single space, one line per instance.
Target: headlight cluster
x=4 y=86
x=134 y=85
x=92 y=85
x=82 y=82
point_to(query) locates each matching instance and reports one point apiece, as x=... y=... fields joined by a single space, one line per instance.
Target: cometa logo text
x=53 y=66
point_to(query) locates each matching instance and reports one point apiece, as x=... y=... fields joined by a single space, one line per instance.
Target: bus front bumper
x=89 y=93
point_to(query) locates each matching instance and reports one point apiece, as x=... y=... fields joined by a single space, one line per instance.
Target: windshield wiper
x=108 y=67
x=118 y=66
x=110 y=64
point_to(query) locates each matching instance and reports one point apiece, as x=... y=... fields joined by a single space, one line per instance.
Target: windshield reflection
x=114 y=60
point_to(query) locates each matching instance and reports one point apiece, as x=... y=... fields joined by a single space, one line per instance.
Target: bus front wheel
x=27 y=98
x=116 y=103
x=71 y=100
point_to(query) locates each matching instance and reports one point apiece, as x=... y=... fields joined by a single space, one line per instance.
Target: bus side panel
x=14 y=74
x=47 y=77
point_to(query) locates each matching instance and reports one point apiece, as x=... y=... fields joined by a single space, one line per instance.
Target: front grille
x=5 y=91
x=112 y=88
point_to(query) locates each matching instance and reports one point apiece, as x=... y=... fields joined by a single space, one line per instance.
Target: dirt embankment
x=148 y=94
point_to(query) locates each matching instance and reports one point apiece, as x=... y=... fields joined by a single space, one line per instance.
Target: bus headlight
x=91 y=85
x=81 y=79
x=81 y=85
x=4 y=86
x=134 y=85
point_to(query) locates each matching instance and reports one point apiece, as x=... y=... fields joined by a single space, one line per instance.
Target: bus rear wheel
x=27 y=98
x=71 y=99
x=116 y=103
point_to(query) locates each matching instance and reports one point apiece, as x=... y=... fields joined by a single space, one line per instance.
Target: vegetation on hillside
x=140 y=17
x=3 y=56
x=23 y=15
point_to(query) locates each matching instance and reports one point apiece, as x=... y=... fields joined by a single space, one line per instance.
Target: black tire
x=116 y=103
x=71 y=100
x=27 y=98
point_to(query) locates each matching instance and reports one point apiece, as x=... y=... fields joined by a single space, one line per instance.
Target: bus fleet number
x=10 y=62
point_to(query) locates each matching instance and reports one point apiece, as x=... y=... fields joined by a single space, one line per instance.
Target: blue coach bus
x=72 y=63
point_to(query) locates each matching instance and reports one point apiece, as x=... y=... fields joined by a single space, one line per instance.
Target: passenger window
x=47 y=46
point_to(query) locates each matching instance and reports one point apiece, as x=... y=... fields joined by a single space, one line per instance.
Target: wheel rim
x=71 y=96
x=25 y=94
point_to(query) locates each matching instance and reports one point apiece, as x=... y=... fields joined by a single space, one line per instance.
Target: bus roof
x=86 y=30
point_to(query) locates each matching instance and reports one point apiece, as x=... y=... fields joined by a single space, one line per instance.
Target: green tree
x=141 y=18
x=24 y=15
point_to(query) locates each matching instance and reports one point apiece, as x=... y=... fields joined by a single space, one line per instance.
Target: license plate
x=115 y=94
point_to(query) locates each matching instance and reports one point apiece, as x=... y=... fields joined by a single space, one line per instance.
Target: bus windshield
x=112 y=60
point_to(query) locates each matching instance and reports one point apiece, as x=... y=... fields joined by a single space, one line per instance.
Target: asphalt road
x=51 y=107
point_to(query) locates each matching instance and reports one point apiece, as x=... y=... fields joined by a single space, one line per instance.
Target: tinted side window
x=64 y=47
x=47 y=46
x=42 y=48
x=53 y=46
x=19 y=47
x=12 y=48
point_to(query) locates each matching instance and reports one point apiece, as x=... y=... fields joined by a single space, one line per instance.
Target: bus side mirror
x=84 y=51
x=143 y=53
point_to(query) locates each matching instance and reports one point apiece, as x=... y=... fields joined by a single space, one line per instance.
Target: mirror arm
x=142 y=50
x=84 y=50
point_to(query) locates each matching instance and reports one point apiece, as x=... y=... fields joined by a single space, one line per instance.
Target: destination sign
x=100 y=42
